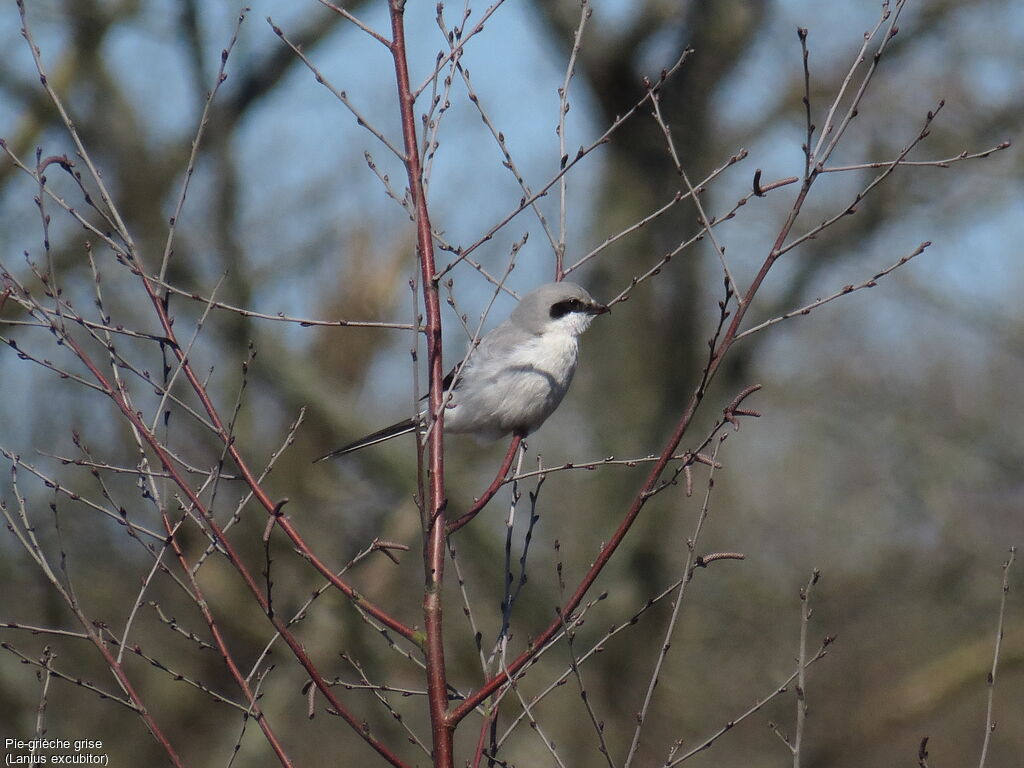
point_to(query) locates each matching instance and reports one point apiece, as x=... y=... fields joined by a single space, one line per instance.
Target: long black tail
x=401 y=428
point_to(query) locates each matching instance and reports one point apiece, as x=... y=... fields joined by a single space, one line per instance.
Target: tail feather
x=401 y=428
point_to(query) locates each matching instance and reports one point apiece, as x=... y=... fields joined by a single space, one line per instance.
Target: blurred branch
x=674 y=758
x=25 y=532
x=677 y=602
x=990 y=723
x=204 y=119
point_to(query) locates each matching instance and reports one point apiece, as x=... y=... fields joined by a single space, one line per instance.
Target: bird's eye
x=562 y=308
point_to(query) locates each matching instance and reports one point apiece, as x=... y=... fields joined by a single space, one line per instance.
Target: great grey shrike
x=518 y=373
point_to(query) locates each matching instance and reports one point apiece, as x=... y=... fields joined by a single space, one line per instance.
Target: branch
x=691 y=543
x=568 y=164
x=845 y=290
x=499 y=480
x=442 y=729
x=675 y=759
x=990 y=724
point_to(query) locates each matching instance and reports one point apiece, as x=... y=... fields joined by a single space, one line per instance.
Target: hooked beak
x=598 y=309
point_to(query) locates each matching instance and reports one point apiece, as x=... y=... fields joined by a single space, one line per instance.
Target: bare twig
x=801 y=678
x=845 y=290
x=45 y=677
x=281 y=317
x=583 y=151
x=46 y=664
x=508 y=162
x=338 y=94
x=563 y=110
x=548 y=743
x=677 y=198
x=702 y=219
x=191 y=165
x=675 y=758
x=990 y=723
x=831 y=132
x=941 y=163
x=350 y=17
x=457 y=43
x=670 y=627
x=574 y=665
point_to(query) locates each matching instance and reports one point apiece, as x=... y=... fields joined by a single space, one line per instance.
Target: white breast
x=516 y=391
x=551 y=354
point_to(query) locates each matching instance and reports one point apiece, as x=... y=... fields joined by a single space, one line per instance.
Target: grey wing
x=496 y=345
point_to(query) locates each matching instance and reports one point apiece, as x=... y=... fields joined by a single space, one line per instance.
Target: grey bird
x=517 y=375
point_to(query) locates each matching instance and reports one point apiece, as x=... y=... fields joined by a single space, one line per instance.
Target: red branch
x=442 y=729
x=218 y=533
x=222 y=647
x=603 y=557
x=250 y=479
x=122 y=678
x=499 y=480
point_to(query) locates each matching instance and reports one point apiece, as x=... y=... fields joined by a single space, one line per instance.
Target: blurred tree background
x=888 y=454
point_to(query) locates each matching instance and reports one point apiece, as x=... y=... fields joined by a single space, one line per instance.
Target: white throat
x=571 y=324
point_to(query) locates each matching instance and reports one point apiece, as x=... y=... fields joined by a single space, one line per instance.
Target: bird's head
x=565 y=307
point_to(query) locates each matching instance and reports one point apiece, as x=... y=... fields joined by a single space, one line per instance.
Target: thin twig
x=46 y=676
x=801 y=679
x=702 y=219
x=845 y=290
x=677 y=603
x=281 y=317
x=990 y=723
x=563 y=109
x=204 y=120
x=941 y=163
x=604 y=138
x=48 y=667
x=676 y=759
x=457 y=48
x=350 y=17
x=574 y=665
x=632 y=621
x=508 y=162
x=69 y=125
x=821 y=153
x=548 y=743
x=677 y=198
x=338 y=94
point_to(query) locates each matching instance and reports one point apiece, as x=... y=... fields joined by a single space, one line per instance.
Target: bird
x=516 y=376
